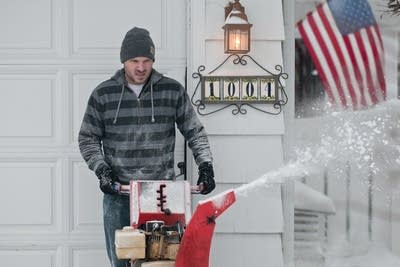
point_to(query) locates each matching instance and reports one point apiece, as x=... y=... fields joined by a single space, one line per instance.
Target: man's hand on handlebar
x=206 y=180
x=107 y=181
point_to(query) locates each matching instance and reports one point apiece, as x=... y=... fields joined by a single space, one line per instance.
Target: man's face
x=138 y=69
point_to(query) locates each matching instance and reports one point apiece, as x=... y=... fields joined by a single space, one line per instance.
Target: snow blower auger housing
x=162 y=230
x=159 y=212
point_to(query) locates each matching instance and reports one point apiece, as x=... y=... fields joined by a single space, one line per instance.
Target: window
x=309 y=92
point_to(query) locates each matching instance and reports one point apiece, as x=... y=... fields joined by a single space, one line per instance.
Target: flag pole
x=348 y=196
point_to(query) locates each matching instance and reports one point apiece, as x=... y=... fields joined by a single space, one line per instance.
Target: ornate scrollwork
x=240 y=106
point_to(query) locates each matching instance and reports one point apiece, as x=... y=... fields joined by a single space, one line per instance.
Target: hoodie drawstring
x=152 y=103
x=119 y=103
x=120 y=100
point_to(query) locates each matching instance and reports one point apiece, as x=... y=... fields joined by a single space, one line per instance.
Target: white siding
x=244 y=146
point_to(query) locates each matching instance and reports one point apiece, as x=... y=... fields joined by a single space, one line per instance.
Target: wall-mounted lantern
x=237 y=29
x=243 y=89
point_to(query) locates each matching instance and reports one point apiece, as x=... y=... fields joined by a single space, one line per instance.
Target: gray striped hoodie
x=135 y=136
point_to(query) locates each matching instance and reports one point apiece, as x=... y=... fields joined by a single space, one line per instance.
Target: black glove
x=107 y=180
x=206 y=177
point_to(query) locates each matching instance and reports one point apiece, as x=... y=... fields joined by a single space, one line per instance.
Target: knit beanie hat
x=137 y=43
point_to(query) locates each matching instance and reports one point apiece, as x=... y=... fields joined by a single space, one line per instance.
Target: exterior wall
x=244 y=146
x=52 y=54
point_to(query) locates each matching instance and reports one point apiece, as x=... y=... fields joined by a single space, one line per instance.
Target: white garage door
x=52 y=54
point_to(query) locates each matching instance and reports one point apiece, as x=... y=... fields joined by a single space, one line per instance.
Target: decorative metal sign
x=240 y=91
x=225 y=89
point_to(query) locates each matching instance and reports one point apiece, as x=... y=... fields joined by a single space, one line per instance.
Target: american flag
x=346 y=47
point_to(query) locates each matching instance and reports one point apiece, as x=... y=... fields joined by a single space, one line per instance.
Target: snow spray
x=365 y=138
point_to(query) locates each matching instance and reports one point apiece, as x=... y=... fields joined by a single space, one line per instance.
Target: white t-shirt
x=136 y=88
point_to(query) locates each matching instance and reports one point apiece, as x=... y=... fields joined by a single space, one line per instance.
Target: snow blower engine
x=159 y=212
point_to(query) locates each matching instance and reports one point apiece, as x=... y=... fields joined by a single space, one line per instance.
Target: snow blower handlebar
x=125 y=189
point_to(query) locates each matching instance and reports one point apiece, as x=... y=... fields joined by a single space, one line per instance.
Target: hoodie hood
x=119 y=77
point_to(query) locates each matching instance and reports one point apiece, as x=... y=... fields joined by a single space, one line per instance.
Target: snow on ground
x=307 y=198
x=343 y=254
x=373 y=256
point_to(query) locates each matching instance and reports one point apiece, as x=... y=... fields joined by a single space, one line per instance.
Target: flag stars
x=351 y=15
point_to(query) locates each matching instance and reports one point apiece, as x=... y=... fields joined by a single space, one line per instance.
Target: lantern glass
x=238 y=40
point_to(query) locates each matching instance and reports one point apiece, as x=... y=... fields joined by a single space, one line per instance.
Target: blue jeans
x=115 y=216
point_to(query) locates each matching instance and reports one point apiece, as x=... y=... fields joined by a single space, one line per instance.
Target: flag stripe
x=378 y=63
x=358 y=61
x=373 y=66
x=378 y=40
x=314 y=50
x=337 y=50
x=328 y=58
x=347 y=56
x=378 y=43
x=366 y=61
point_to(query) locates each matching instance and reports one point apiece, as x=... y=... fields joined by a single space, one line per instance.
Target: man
x=128 y=131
